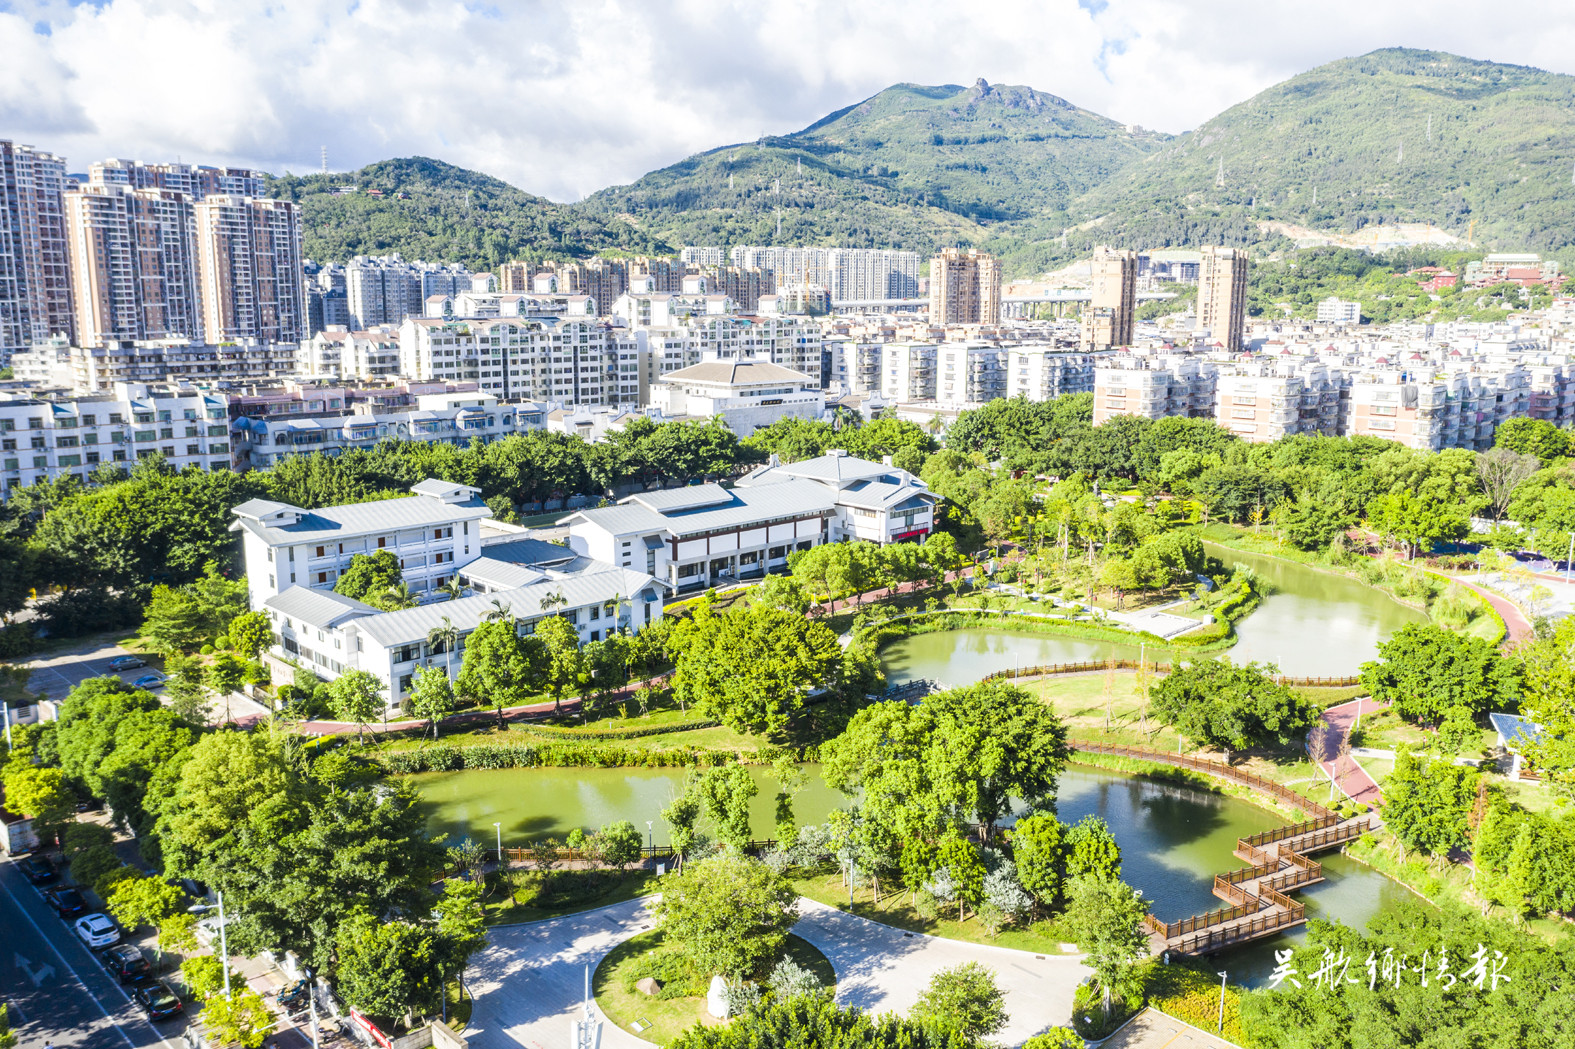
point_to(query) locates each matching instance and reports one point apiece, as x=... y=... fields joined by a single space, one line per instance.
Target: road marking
x=44 y=972
x=51 y=945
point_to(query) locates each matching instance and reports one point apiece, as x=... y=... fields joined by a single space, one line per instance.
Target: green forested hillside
x=447 y=214
x=1395 y=135
x=913 y=167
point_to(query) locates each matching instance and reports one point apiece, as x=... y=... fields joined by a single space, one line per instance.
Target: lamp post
x=650 y=836
x=1222 y=1003
x=224 y=939
x=499 y=828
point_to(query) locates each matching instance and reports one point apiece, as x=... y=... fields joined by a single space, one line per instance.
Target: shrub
x=88 y=866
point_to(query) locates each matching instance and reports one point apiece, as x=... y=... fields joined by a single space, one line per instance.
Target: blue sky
x=562 y=99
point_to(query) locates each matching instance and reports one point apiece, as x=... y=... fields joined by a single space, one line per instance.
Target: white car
x=97 y=930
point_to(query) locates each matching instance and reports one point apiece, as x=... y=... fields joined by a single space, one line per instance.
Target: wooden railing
x=1215 y=938
x=1050 y=669
x=1210 y=768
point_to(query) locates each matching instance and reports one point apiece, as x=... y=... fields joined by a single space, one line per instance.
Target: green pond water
x=1313 y=624
x=1173 y=839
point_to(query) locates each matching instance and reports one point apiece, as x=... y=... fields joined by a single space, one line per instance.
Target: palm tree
x=551 y=601
x=447 y=635
x=453 y=589
x=499 y=610
x=396 y=597
x=615 y=608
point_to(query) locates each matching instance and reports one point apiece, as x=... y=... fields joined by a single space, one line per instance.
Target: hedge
x=545 y=755
x=567 y=732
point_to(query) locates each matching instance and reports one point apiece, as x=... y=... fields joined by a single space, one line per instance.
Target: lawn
x=519 y=895
x=893 y=908
x=662 y=1019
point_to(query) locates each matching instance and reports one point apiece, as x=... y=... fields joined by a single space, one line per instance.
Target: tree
x=89 y=718
x=681 y=815
x=1038 y=842
x=726 y=791
x=620 y=844
x=727 y=914
x=173 y=620
x=431 y=696
x=1426 y=670
x=1548 y=699
x=753 y=667
x=965 y=998
x=388 y=967
x=1004 y=900
x=1500 y=471
x=42 y=795
x=370 y=574
x=184 y=690
x=1106 y=918
x=1091 y=850
x=791 y=980
x=1416 y=522
x=500 y=668
x=1217 y=703
x=138 y=902
x=1535 y=437
x=567 y=670
x=357 y=697
x=814 y=1020
x=243 y=1019
x=781 y=592
x=1056 y=1038
x=225 y=675
x=1427 y=805
x=250 y=633
x=461 y=924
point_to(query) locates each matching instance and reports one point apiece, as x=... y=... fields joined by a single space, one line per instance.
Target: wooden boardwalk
x=1278 y=862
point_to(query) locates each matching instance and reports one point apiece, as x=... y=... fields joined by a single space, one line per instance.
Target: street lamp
x=650 y=834
x=499 y=828
x=224 y=939
x=1222 y=1002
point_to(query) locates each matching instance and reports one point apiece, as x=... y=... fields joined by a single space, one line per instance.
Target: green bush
x=566 y=732
x=444 y=758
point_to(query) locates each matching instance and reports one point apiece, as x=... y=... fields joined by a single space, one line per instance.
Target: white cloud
x=562 y=99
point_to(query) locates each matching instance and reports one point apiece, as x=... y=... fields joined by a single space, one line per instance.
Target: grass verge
x=519 y=895
x=681 y=1003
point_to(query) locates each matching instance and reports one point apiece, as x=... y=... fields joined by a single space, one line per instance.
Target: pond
x=1173 y=839
x=1313 y=624
x=961 y=657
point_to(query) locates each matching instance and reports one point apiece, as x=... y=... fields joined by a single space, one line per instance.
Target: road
x=62 y=993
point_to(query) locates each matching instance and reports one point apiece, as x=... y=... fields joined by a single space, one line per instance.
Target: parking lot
x=59 y=672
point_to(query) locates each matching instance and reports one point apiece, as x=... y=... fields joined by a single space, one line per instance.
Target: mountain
x=1395 y=135
x=912 y=167
x=426 y=209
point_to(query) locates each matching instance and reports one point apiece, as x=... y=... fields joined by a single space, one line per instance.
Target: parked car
x=126 y=663
x=38 y=870
x=125 y=962
x=190 y=886
x=149 y=681
x=97 y=930
x=157 y=1000
x=67 y=902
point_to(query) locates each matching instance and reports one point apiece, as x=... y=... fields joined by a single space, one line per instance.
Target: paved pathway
x=1516 y=625
x=529 y=982
x=882 y=969
x=1352 y=779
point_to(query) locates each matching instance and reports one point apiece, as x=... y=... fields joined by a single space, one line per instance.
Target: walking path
x=1516 y=625
x=1351 y=778
x=529 y=982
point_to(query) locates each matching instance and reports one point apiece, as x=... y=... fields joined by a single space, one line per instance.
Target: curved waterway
x=1173 y=838
x=1313 y=624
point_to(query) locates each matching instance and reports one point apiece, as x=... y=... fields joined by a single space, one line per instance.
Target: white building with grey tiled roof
x=748 y=393
x=705 y=535
x=294 y=557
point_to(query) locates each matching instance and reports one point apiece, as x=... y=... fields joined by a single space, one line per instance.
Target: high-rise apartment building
x=1108 y=318
x=249 y=261
x=965 y=288
x=133 y=258
x=196 y=181
x=382 y=290
x=35 y=278
x=1222 y=295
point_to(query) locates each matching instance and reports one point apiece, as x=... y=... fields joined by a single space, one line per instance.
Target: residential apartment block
x=195 y=181
x=1111 y=311
x=178 y=360
x=847 y=274
x=249 y=261
x=1222 y=295
x=133 y=258
x=968 y=374
x=965 y=288
x=1043 y=373
x=569 y=360
x=47 y=437
x=35 y=277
